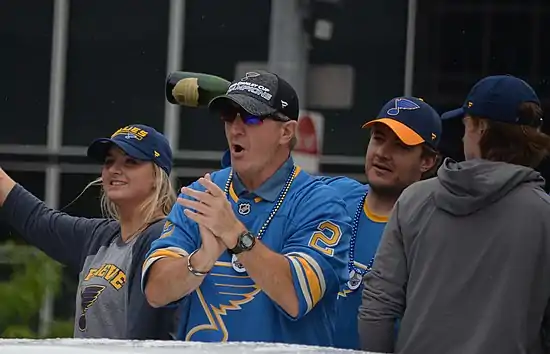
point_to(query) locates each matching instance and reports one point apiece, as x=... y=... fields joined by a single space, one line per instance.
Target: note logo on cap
x=131 y=132
x=402 y=104
x=130 y=136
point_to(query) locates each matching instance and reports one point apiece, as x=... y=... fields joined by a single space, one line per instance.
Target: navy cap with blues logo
x=497 y=98
x=138 y=141
x=412 y=120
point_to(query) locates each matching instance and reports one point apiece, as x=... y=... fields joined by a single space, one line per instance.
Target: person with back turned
x=464 y=258
x=260 y=249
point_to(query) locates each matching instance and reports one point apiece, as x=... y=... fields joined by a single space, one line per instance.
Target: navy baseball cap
x=412 y=120
x=496 y=98
x=138 y=141
x=260 y=93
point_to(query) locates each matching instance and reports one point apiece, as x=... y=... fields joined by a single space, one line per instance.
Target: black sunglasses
x=230 y=114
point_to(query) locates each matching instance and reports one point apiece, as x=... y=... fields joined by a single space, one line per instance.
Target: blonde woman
x=107 y=253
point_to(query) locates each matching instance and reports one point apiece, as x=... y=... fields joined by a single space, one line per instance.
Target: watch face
x=247 y=241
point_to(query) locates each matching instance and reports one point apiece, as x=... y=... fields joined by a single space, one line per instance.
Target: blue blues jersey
x=311 y=229
x=370 y=229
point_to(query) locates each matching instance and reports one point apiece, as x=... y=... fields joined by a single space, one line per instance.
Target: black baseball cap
x=260 y=93
x=412 y=120
x=497 y=98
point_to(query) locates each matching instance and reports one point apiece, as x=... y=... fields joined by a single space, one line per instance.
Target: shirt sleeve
x=59 y=235
x=384 y=291
x=318 y=249
x=344 y=186
x=144 y=321
x=325 y=179
x=180 y=236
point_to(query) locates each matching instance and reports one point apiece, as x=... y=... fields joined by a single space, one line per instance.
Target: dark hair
x=522 y=145
x=428 y=151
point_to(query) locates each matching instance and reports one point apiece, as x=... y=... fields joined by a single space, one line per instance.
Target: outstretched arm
x=60 y=236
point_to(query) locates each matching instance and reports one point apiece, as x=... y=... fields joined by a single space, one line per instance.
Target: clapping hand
x=212 y=211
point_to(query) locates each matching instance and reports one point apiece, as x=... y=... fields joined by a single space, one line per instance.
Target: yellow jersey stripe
x=302 y=282
x=312 y=280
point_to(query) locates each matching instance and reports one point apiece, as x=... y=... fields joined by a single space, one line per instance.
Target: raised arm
x=166 y=277
x=313 y=261
x=60 y=236
x=384 y=291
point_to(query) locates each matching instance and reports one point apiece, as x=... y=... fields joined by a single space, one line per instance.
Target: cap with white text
x=260 y=93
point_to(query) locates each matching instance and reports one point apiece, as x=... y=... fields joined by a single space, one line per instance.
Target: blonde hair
x=163 y=198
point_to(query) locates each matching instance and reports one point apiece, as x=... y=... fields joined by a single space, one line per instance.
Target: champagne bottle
x=191 y=89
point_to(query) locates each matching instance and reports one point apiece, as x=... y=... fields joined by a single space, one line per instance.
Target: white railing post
x=55 y=129
x=410 y=48
x=176 y=36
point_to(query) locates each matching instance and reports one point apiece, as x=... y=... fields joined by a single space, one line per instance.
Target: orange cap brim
x=404 y=133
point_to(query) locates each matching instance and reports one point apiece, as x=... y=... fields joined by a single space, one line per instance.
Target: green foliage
x=22 y=296
x=62 y=329
x=19 y=331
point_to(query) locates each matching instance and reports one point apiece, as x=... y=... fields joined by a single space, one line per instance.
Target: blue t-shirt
x=370 y=229
x=311 y=229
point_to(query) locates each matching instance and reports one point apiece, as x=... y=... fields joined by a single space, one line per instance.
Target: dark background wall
x=461 y=41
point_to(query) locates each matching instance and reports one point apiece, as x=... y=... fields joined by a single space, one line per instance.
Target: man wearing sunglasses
x=259 y=249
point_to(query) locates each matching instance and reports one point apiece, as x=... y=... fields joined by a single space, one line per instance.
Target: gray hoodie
x=465 y=263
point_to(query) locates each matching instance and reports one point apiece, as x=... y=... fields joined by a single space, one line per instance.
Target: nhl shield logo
x=244 y=208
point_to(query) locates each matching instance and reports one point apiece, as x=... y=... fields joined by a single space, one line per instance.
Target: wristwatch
x=245 y=242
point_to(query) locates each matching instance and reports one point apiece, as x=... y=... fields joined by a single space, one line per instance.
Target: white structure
x=103 y=346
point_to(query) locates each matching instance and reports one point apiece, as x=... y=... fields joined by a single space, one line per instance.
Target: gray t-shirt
x=102 y=292
x=110 y=302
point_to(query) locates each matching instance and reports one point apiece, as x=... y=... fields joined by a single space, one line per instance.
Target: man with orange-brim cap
x=402 y=150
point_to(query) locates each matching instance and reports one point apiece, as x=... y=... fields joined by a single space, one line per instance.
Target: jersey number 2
x=326 y=238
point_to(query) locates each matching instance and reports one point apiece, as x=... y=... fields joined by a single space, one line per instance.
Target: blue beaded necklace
x=278 y=203
x=356 y=274
x=282 y=195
